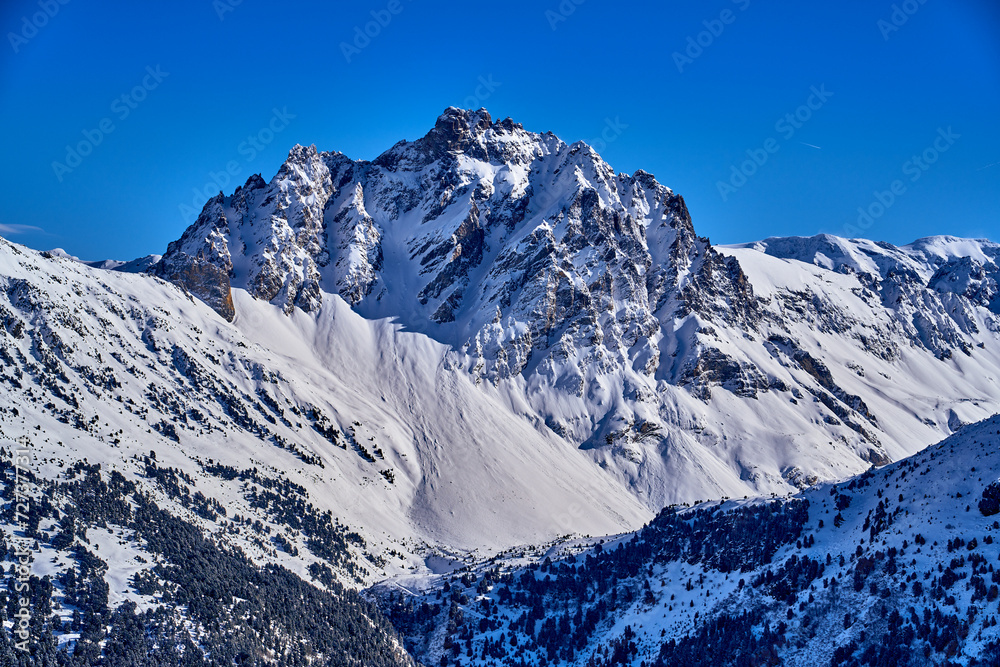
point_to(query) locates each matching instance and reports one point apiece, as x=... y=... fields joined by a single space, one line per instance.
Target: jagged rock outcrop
x=531 y=250
x=200 y=261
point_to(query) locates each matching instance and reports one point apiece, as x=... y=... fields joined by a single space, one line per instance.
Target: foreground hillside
x=897 y=566
x=103 y=571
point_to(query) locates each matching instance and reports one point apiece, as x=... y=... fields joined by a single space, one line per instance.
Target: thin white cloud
x=810 y=145
x=19 y=229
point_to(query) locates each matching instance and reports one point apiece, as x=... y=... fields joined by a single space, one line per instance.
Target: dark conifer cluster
x=211 y=604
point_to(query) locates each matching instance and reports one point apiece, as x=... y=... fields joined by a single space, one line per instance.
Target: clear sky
x=687 y=91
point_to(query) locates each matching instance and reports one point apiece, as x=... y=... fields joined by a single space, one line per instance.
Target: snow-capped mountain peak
x=588 y=297
x=575 y=307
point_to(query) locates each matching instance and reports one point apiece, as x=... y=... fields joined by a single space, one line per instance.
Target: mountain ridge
x=385 y=372
x=590 y=329
x=588 y=303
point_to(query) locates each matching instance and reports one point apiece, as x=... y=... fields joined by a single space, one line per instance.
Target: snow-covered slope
x=518 y=327
x=364 y=415
x=892 y=567
x=920 y=283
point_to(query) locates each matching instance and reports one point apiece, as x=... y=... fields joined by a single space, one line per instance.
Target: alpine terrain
x=387 y=412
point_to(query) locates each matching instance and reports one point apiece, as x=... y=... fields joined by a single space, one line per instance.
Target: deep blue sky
x=606 y=60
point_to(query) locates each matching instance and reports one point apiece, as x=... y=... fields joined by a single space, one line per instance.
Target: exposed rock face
x=533 y=251
x=207 y=281
x=714 y=367
x=200 y=261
